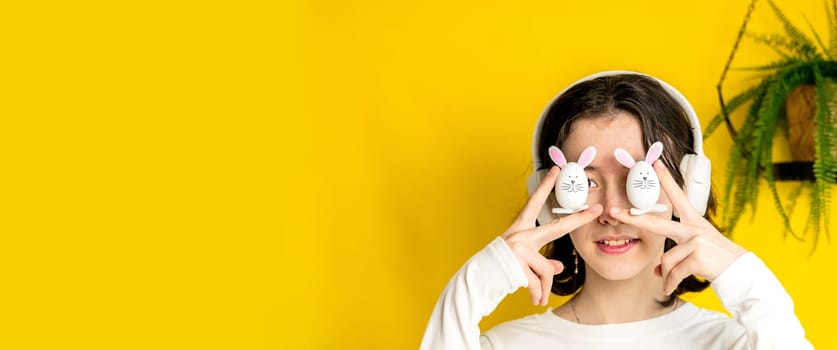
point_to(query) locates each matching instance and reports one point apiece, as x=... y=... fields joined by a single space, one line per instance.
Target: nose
x=614 y=197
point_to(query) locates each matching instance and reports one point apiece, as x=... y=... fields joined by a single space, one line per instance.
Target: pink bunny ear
x=654 y=152
x=624 y=158
x=557 y=156
x=587 y=156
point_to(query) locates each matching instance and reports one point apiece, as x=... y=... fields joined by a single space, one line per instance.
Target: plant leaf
x=733 y=104
x=817 y=37
x=798 y=40
x=778 y=43
x=783 y=63
x=825 y=164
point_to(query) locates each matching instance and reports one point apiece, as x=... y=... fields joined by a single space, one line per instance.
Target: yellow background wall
x=309 y=174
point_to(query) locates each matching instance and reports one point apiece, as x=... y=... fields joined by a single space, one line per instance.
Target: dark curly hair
x=660 y=118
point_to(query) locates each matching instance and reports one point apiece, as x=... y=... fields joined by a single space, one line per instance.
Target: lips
x=616 y=245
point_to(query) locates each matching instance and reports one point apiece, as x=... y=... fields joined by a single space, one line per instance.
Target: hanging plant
x=806 y=70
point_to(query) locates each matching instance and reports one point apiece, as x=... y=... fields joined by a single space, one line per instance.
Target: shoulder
x=715 y=327
x=527 y=330
x=527 y=324
x=710 y=318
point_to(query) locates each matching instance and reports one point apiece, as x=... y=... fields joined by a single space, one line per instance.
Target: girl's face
x=611 y=249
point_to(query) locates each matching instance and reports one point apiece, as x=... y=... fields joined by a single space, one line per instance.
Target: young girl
x=625 y=271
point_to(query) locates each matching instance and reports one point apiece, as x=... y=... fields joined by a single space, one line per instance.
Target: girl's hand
x=701 y=250
x=526 y=240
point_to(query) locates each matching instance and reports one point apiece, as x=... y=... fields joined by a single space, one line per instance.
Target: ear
x=587 y=156
x=624 y=158
x=557 y=156
x=654 y=152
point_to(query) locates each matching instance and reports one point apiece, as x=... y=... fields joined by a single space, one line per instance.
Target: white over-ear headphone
x=695 y=168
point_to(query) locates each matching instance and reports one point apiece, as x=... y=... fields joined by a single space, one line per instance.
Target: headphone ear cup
x=696 y=170
x=545 y=216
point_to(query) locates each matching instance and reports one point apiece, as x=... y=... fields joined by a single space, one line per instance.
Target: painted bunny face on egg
x=572 y=187
x=643 y=184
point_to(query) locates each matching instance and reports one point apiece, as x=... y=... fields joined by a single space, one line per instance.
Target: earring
x=575 y=261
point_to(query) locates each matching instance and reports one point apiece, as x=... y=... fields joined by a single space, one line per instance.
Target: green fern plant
x=801 y=61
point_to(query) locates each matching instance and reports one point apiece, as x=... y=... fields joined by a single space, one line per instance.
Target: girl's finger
x=678 y=198
x=557 y=267
x=534 y=286
x=654 y=224
x=547 y=233
x=544 y=271
x=677 y=273
x=674 y=257
x=546 y=286
x=538 y=198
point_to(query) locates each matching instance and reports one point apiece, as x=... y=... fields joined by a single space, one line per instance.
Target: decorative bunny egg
x=572 y=188
x=643 y=184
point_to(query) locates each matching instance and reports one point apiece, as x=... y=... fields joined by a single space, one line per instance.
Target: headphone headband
x=674 y=93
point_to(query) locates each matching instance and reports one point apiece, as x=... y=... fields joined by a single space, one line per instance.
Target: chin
x=617 y=272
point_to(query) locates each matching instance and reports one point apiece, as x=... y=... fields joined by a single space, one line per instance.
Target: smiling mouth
x=616 y=242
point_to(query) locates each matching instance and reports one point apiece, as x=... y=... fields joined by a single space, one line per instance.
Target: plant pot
x=800 y=106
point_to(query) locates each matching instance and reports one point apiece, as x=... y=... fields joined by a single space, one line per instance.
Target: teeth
x=616 y=242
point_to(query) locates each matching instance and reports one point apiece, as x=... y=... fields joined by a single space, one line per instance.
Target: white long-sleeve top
x=763 y=316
